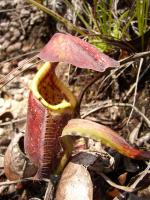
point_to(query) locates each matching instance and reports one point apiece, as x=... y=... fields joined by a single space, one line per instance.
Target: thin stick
x=91 y=83
x=13 y=72
x=13 y=9
x=135 y=56
x=21 y=180
x=9 y=77
x=20 y=56
x=23 y=119
x=56 y=16
x=142 y=175
x=112 y=73
x=113 y=184
x=22 y=27
x=49 y=191
x=126 y=188
x=106 y=105
x=136 y=86
x=85 y=89
x=133 y=86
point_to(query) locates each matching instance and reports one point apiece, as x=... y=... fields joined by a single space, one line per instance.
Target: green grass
x=142 y=17
x=100 y=21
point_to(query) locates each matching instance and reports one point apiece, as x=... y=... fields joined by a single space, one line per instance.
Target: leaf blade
x=89 y=129
x=73 y=50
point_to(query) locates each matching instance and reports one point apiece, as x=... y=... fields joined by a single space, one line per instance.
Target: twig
x=49 y=191
x=21 y=180
x=136 y=87
x=9 y=77
x=57 y=16
x=15 y=182
x=134 y=134
x=85 y=89
x=133 y=86
x=112 y=73
x=18 y=68
x=126 y=188
x=106 y=105
x=20 y=56
x=103 y=104
x=21 y=24
x=128 y=60
x=135 y=56
x=12 y=9
x=144 y=173
x=143 y=139
x=120 y=187
x=23 y=119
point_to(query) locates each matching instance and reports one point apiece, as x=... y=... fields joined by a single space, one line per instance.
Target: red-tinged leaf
x=73 y=50
x=86 y=128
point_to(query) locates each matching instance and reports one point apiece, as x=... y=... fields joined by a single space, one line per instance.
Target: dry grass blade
x=19 y=56
x=49 y=191
x=113 y=184
x=136 y=86
x=144 y=173
x=110 y=104
x=135 y=57
x=17 y=71
x=21 y=180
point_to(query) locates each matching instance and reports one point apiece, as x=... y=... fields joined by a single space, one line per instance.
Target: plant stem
x=57 y=16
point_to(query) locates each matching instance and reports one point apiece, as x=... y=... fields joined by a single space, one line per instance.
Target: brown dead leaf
x=75 y=183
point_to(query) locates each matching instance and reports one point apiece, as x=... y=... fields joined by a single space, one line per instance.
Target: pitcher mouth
x=50 y=91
